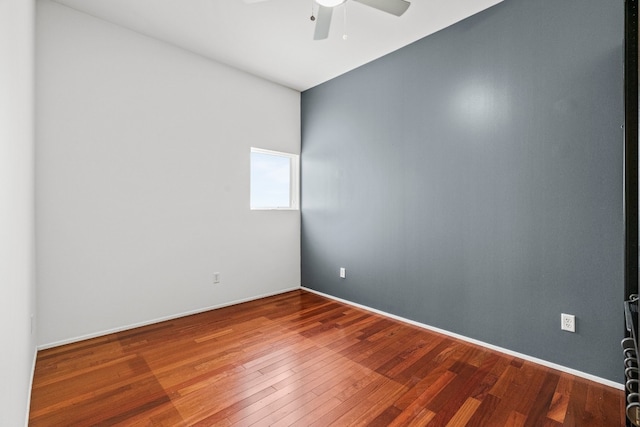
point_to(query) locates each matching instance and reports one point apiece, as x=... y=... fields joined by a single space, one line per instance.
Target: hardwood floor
x=300 y=359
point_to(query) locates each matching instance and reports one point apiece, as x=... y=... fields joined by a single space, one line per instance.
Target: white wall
x=17 y=295
x=142 y=179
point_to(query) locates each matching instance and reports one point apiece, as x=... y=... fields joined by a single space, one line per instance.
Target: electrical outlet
x=343 y=273
x=216 y=278
x=568 y=322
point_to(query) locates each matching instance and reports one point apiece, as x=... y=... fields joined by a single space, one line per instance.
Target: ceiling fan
x=325 y=12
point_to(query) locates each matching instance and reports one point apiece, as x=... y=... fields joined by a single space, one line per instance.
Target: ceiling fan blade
x=323 y=23
x=394 y=7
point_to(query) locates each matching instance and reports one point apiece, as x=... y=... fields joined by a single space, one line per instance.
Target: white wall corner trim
x=33 y=371
x=477 y=342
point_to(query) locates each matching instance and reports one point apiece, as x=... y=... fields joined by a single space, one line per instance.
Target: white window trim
x=294 y=180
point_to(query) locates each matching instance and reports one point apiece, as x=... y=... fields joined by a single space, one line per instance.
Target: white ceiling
x=274 y=39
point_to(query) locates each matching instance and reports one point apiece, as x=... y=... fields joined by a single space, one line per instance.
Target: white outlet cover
x=568 y=322
x=343 y=272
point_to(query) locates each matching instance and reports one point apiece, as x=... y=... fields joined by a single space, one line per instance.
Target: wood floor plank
x=560 y=401
x=531 y=380
x=299 y=388
x=541 y=403
x=356 y=404
x=298 y=359
x=370 y=407
x=485 y=411
x=456 y=393
x=414 y=405
x=464 y=413
x=310 y=409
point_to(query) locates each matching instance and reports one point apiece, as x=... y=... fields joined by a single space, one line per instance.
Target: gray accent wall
x=473 y=181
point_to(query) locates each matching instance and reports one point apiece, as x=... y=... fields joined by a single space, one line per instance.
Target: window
x=274 y=180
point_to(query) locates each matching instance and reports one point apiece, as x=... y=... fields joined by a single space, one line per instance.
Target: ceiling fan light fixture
x=330 y=3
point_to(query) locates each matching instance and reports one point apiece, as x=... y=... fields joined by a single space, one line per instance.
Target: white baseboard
x=161 y=319
x=33 y=371
x=548 y=364
x=542 y=362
